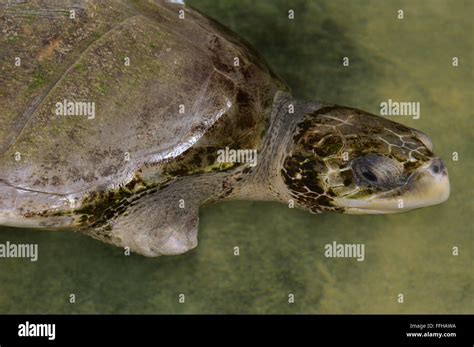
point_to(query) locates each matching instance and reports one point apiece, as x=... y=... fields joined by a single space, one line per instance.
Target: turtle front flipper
x=158 y=222
x=160 y=232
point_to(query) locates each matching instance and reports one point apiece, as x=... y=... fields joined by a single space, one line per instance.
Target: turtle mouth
x=428 y=186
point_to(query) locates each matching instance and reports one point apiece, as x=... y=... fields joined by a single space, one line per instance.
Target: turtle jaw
x=426 y=187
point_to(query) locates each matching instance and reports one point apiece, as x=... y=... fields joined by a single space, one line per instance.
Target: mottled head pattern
x=347 y=160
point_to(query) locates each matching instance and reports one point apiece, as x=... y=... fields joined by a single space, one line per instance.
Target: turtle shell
x=93 y=92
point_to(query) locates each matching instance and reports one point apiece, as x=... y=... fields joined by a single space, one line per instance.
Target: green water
x=281 y=250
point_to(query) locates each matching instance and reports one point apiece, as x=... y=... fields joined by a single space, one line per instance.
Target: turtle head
x=346 y=160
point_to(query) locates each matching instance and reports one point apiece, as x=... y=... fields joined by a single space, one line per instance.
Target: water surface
x=281 y=250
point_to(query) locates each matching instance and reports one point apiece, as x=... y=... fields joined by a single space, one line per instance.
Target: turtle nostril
x=437 y=166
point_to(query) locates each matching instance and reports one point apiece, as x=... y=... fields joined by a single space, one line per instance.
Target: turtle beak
x=426 y=187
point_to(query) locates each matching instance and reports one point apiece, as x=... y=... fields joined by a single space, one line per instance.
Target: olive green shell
x=168 y=92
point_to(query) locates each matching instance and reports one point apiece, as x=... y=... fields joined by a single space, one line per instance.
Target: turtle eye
x=370 y=176
x=377 y=171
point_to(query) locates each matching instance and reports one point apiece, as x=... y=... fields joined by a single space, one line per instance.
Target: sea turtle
x=121 y=118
